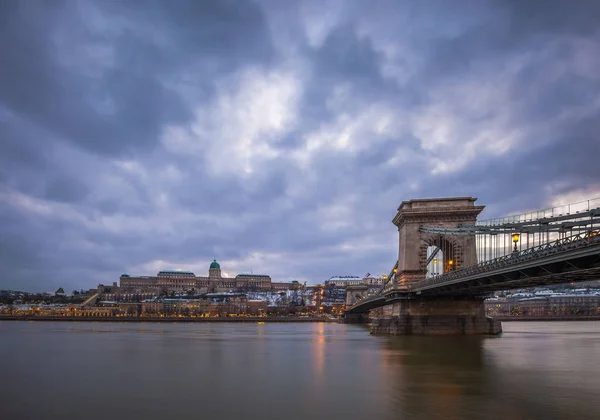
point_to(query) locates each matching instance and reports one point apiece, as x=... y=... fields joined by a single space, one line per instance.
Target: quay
x=162 y=319
x=548 y=318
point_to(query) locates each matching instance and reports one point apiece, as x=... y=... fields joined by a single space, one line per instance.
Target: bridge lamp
x=515 y=239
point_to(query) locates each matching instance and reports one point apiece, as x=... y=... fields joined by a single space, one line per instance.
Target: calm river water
x=295 y=371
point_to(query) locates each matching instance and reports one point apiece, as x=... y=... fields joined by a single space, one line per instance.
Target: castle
x=185 y=281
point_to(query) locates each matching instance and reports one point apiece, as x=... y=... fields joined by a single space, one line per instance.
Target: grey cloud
x=29 y=163
x=66 y=123
x=38 y=85
x=555 y=16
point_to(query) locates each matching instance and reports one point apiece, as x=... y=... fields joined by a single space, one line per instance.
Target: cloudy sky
x=278 y=136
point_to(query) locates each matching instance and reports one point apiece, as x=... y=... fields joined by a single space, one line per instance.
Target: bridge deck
x=571 y=259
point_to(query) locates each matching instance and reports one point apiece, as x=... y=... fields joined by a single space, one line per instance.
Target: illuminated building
x=555 y=305
x=344 y=281
x=185 y=281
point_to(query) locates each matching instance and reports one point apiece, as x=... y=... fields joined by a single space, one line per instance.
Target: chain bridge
x=449 y=262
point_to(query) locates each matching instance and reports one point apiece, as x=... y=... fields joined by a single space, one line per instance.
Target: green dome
x=215 y=264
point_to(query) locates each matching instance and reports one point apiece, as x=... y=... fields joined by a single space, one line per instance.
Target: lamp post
x=450 y=265
x=435 y=261
x=515 y=239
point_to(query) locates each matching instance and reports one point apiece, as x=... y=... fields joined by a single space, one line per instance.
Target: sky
x=278 y=137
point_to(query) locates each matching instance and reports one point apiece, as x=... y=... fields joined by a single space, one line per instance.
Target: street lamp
x=435 y=261
x=515 y=239
x=450 y=264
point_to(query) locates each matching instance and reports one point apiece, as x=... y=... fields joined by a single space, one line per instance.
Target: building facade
x=185 y=281
x=345 y=281
x=558 y=305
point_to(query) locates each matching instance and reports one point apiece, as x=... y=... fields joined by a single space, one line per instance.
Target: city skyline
x=278 y=138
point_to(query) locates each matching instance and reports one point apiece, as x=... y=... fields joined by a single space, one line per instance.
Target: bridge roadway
x=571 y=259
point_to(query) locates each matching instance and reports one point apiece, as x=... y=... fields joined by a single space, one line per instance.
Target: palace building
x=185 y=281
x=345 y=281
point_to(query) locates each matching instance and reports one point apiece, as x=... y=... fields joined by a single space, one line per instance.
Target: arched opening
x=441 y=256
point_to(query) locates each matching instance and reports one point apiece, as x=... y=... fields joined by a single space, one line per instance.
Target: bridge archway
x=415 y=248
x=439 y=254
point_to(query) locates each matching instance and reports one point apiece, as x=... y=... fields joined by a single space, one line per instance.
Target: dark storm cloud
x=28 y=163
x=137 y=136
x=41 y=86
x=37 y=85
x=344 y=56
x=522 y=181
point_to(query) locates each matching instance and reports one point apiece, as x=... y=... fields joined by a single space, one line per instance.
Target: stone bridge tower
x=413 y=245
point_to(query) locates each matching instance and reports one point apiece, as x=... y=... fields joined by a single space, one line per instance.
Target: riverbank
x=547 y=318
x=161 y=319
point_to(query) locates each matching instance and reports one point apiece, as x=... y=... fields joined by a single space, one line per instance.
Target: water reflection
x=434 y=377
x=296 y=371
x=318 y=357
x=532 y=371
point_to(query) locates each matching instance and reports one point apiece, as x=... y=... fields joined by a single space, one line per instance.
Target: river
x=64 y=370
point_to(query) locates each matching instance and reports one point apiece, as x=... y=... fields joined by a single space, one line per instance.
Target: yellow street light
x=515 y=239
x=435 y=261
x=395 y=270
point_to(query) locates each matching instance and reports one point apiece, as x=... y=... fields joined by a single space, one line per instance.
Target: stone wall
x=436 y=317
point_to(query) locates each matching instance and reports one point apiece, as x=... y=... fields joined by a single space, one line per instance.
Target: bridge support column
x=436 y=316
x=355 y=318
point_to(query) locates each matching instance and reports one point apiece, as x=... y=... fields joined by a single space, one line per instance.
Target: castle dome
x=215 y=264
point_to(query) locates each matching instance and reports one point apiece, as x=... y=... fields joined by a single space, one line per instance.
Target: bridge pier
x=436 y=316
x=359 y=318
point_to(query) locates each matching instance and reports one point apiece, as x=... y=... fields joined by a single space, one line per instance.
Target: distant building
x=137 y=282
x=283 y=286
x=556 y=305
x=345 y=281
x=253 y=282
x=186 y=281
x=175 y=280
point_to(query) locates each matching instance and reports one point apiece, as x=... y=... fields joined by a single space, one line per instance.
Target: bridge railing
x=560 y=245
x=549 y=213
x=387 y=285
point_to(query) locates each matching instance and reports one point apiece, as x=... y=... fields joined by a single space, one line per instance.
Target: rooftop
x=253 y=275
x=349 y=279
x=180 y=273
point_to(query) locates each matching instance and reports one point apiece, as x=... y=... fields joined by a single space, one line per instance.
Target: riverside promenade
x=548 y=318
x=161 y=319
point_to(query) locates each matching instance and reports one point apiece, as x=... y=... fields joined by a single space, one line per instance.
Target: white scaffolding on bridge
x=502 y=236
x=517 y=236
